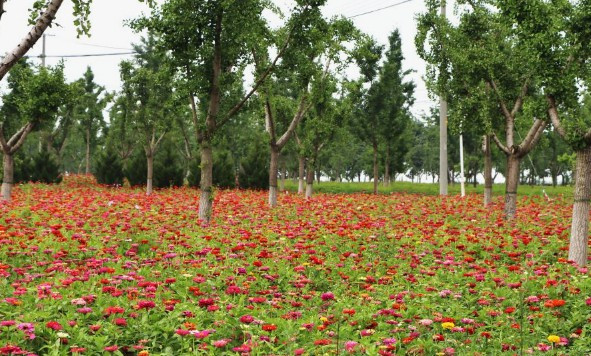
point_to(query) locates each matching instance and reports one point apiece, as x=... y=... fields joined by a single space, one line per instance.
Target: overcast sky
x=110 y=35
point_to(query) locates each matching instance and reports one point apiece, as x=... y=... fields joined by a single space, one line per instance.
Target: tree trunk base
x=6 y=191
x=272 y=197
x=309 y=191
x=205 y=205
x=579 y=235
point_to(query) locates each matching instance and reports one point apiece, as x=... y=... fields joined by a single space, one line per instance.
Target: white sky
x=108 y=30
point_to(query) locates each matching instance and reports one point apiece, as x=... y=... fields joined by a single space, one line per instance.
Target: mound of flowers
x=93 y=270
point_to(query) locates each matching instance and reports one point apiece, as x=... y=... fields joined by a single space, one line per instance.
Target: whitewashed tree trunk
x=487 y=170
x=206 y=198
x=273 y=168
x=301 y=177
x=511 y=186
x=150 y=175
x=577 y=251
x=8 y=177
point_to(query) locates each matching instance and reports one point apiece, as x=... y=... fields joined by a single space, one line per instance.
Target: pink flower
x=221 y=343
x=146 y=304
x=588 y=301
x=112 y=348
x=350 y=346
x=544 y=347
x=425 y=322
x=7 y=322
x=246 y=319
x=182 y=332
x=327 y=296
x=84 y=310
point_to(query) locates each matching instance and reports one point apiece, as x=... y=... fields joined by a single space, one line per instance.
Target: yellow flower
x=448 y=325
x=554 y=338
x=323 y=319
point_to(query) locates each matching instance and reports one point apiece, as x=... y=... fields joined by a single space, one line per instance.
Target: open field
x=431 y=189
x=91 y=270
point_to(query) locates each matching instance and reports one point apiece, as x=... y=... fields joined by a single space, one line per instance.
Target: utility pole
x=443 y=132
x=43 y=52
x=462 y=177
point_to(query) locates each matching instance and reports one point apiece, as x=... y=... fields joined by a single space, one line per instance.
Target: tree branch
x=3 y=144
x=21 y=140
x=269 y=121
x=31 y=38
x=159 y=140
x=302 y=109
x=2 y=11
x=519 y=101
x=258 y=83
x=528 y=143
x=16 y=136
x=553 y=113
x=500 y=144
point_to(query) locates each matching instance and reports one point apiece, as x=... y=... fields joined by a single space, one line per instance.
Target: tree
x=482 y=56
x=32 y=103
x=383 y=114
x=148 y=90
x=89 y=112
x=210 y=42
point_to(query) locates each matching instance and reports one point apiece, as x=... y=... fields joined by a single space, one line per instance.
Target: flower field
x=90 y=270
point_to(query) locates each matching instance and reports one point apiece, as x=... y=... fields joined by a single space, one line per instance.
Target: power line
x=380 y=9
x=80 y=43
x=86 y=55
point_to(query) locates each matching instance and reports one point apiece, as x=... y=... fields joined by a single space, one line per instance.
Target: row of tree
x=515 y=66
x=506 y=67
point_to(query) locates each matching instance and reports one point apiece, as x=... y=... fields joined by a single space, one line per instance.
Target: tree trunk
x=87 y=151
x=511 y=186
x=488 y=181
x=387 y=169
x=273 y=177
x=8 y=177
x=309 y=182
x=150 y=159
x=375 y=168
x=206 y=199
x=577 y=251
x=302 y=168
x=554 y=180
x=283 y=178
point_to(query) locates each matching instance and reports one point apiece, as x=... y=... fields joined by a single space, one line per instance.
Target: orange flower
x=269 y=327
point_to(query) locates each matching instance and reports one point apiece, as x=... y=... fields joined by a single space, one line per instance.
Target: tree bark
x=206 y=198
x=375 y=168
x=150 y=159
x=301 y=177
x=8 y=177
x=273 y=168
x=512 y=181
x=577 y=251
x=34 y=34
x=309 y=182
x=488 y=181
x=87 y=150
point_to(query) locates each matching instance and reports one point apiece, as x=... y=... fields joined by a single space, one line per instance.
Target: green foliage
x=254 y=168
x=168 y=170
x=44 y=168
x=109 y=168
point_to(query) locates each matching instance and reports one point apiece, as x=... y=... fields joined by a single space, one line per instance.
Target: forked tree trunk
x=206 y=198
x=301 y=177
x=8 y=177
x=375 y=168
x=150 y=176
x=273 y=168
x=309 y=182
x=87 y=151
x=577 y=251
x=487 y=170
x=511 y=186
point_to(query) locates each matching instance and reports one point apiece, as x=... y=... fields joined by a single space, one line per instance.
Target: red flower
x=120 y=322
x=269 y=327
x=246 y=319
x=54 y=325
x=112 y=348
